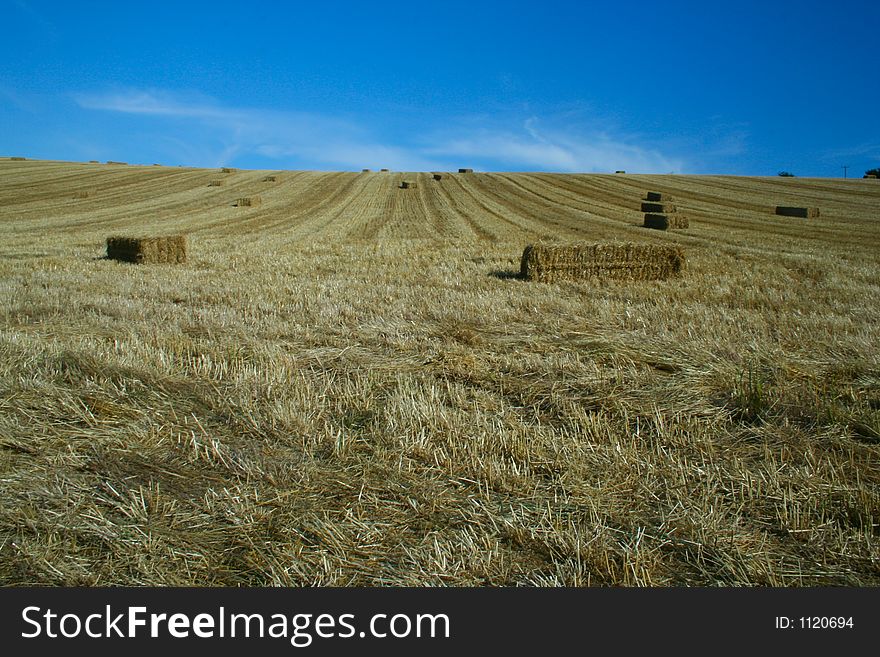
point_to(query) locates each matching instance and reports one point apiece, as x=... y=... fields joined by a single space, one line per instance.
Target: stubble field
x=348 y=385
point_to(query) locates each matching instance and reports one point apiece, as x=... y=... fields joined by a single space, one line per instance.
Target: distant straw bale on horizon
x=148 y=250
x=248 y=202
x=438 y=176
x=465 y=170
x=228 y=170
x=18 y=159
x=619 y=261
x=803 y=213
x=270 y=179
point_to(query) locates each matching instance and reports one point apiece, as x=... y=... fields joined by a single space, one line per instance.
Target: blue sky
x=749 y=88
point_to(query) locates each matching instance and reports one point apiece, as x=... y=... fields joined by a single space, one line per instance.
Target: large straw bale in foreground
x=626 y=261
x=804 y=213
x=147 y=250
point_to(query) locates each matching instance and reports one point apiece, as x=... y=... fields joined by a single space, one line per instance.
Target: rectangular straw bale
x=805 y=213
x=655 y=197
x=121 y=163
x=662 y=208
x=148 y=250
x=656 y=221
x=407 y=184
x=365 y=171
x=248 y=202
x=83 y=193
x=622 y=261
x=665 y=221
x=270 y=179
x=215 y=183
x=93 y=161
x=620 y=172
x=465 y=170
x=227 y=170
x=438 y=176
x=678 y=221
x=17 y=159
x=383 y=170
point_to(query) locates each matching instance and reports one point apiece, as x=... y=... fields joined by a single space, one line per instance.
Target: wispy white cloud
x=559 y=146
x=282 y=135
x=329 y=141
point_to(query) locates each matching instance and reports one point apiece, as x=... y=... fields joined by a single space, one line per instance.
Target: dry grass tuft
x=625 y=261
x=148 y=250
x=804 y=213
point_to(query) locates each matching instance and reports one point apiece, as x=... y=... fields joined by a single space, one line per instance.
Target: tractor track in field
x=502 y=215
